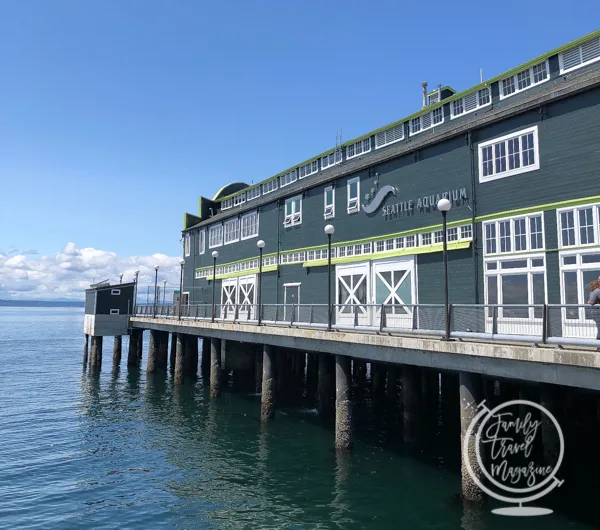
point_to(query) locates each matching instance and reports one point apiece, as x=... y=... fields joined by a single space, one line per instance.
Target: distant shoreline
x=40 y=303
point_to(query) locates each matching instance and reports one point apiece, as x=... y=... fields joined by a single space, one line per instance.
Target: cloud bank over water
x=25 y=275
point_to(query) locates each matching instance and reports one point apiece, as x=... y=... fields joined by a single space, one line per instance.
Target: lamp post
x=137 y=273
x=444 y=206
x=260 y=244
x=215 y=255
x=182 y=263
x=164 y=290
x=329 y=230
x=121 y=278
x=155 y=288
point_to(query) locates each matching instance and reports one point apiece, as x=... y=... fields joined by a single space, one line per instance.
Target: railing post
x=355 y=315
x=196 y=317
x=292 y=318
x=225 y=312
x=495 y=320
x=415 y=317
x=249 y=310
x=382 y=321
x=310 y=318
x=236 y=313
x=544 y=324
x=449 y=327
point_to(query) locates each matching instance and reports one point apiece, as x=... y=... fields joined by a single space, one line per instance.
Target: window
x=115 y=292
x=250 y=225
x=316 y=255
x=201 y=241
x=114 y=311
x=331 y=159
x=358 y=148
x=269 y=186
x=239 y=199
x=353 y=195
x=523 y=80
x=292 y=257
x=426 y=121
x=293 y=211
x=389 y=136
x=466 y=232
x=253 y=193
x=586 y=53
x=452 y=234
x=579 y=226
x=309 y=169
x=231 y=231
x=516 y=282
x=329 y=203
x=519 y=234
x=215 y=236
x=354 y=250
x=578 y=270
x=471 y=102
x=226 y=204
x=186 y=244
x=510 y=155
x=426 y=238
x=288 y=178
x=438 y=236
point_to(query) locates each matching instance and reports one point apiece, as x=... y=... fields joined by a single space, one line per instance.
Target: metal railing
x=537 y=324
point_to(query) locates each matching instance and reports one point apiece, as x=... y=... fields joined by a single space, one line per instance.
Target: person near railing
x=594 y=301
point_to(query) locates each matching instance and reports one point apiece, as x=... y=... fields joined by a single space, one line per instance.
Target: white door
x=352 y=295
x=228 y=298
x=291 y=296
x=394 y=287
x=246 y=297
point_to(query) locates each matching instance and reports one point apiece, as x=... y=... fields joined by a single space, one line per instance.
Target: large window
x=231 y=231
x=329 y=203
x=293 y=211
x=579 y=226
x=215 y=236
x=186 y=244
x=523 y=80
x=353 y=195
x=250 y=225
x=510 y=155
x=389 y=136
x=578 y=270
x=471 y=102
x=201 y=241
x=358 y=148
x=518 y=234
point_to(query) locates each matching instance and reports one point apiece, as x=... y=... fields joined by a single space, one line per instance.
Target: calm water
x=120 y=451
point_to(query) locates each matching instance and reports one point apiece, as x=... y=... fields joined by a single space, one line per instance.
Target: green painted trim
x=539 y=207
x=428 y=249
x=270 y=268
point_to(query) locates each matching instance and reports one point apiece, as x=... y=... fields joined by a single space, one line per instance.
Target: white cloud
x=72 y=269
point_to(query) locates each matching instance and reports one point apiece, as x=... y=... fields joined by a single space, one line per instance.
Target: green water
x=119 y=450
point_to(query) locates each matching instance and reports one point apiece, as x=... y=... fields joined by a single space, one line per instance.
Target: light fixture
x=215 y=254
x=260 y=243
x=329 y=230
x=444 y=205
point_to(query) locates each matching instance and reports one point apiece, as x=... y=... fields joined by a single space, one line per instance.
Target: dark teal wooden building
x=518 y=156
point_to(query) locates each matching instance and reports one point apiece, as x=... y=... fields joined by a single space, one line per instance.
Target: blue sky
x=116 y=115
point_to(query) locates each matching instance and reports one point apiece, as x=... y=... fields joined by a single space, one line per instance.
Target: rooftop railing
x=535 y=324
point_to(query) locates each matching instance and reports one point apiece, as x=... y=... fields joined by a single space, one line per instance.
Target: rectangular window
x=504 y=230
x=288 y=178
x=331 y=159
x=270 y=186
x=293 y=211
x=438 y=236
x=114 y=292
x=309 y=169
x=201 y=241
x=466 y=232
x=410 y=241
x=585 y=53
x=389 y=136
x=186 y=244
x=520 y=235
x=353 y=195
x=579 y=226
x=567 y=224
x=470 y=103
x=452 y=234
x=426 y=238
x=329 y=203
x=254 y=193
x=490 y=238
x=250 y=225
x=514 y=235
x=524 y=79
x=536 y=232
x=226 y=204
x=114 y=311
x=426 y=121
x=510 y=155
x=239 y=199
x=215 y=236
x=231 y=231
x=358 y=148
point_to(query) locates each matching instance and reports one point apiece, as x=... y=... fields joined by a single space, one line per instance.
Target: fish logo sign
x=379 y=198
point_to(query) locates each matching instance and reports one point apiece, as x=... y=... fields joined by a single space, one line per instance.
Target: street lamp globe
x=329 y=230
x=260 y=243
x=137 y=272
x=444 y=205
x=215 y=254
x=182 y=262
x=155 y=267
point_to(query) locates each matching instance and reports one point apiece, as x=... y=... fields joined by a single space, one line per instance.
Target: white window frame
x=477 y=95
x=515 y=77
x=239 y=199
x=114 y=312
x=308 y=169
x=115 y=292
x=359 y=148
x=575 y=209
x=253 y=193
x=351 y=207
x=201 y=241
x=242 y=228
x=270 y=186
x=326 y=206
x=511 y=220
x=289 y=178
x=220 y=240
x=326 y=160
x=228 y=237
x=579 y=48
x=227 y=203
x=389 y=136
x=504 y=139
x=187 y=244
x=295 y=217
x=425 y=121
